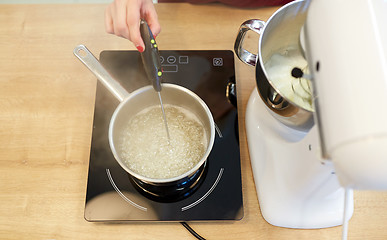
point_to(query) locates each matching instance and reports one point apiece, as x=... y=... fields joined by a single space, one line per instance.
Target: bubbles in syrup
x=144 y=147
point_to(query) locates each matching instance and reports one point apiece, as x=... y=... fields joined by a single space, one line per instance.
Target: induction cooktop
x=110 y=194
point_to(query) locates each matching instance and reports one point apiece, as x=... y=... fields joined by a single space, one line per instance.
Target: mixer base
x=296 y=188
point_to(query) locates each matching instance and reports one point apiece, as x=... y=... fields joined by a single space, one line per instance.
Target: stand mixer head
x=349 y=67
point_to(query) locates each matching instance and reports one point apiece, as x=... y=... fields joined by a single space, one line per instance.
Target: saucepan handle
x=245 y=56
x=87 y=58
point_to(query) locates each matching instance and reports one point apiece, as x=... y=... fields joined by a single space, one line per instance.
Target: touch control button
x=171 y=59
x=183 y=59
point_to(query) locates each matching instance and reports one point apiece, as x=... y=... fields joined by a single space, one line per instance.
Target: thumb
x=135 y=37
x=153 y=22
x=155 y=28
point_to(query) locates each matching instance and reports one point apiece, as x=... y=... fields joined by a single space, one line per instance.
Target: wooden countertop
x=46 y=112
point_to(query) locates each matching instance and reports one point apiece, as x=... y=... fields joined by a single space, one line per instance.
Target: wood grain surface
x=46 y=112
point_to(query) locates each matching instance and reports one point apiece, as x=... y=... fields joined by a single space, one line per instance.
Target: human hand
x=122 y=18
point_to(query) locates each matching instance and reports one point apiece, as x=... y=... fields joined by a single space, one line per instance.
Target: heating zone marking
x=207 y=193
x=121 y=194
x=218 y=131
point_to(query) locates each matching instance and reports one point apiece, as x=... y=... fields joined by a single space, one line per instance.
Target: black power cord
x=195 y=234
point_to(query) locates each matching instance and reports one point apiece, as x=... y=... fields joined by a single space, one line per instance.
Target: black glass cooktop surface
x=110 y=194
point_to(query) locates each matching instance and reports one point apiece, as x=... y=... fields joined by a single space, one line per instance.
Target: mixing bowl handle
x=87 y=58
x=245 y=56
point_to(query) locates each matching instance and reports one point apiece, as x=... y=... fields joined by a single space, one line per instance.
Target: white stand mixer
x=301 y=173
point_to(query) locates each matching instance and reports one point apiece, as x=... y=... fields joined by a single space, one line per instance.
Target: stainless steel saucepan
x=132 y=103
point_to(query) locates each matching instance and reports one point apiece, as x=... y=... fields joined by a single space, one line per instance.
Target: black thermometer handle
x=151 y=57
